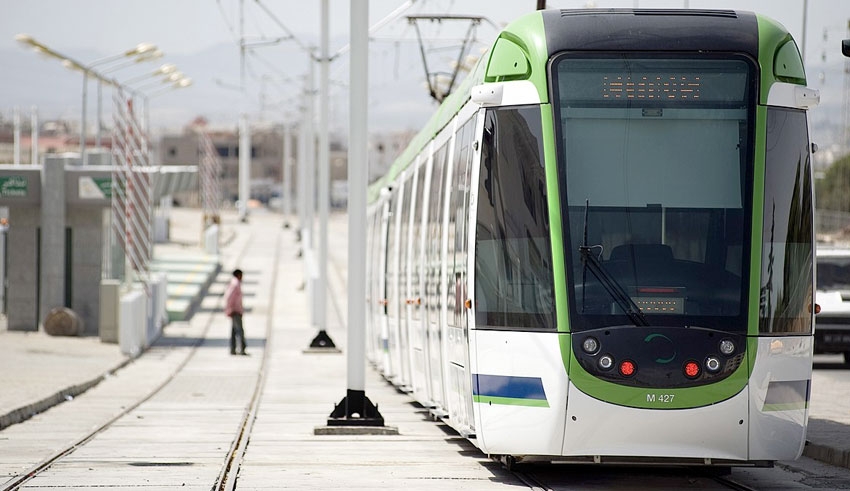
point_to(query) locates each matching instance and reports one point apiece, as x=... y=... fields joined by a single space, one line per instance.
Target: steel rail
x=233 y=460
x=28 y=475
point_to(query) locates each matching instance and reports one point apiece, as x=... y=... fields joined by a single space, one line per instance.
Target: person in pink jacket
x=233 y=309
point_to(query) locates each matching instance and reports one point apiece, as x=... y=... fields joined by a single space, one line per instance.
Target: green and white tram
x=600 y=248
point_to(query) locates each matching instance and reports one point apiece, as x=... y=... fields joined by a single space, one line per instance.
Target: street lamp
x=179 y=83
x=141 y=52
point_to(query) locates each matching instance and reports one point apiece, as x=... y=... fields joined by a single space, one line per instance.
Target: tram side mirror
x=845 y=47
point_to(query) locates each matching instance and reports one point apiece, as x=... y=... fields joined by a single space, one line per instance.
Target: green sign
x=13 y=187
x=95 y=187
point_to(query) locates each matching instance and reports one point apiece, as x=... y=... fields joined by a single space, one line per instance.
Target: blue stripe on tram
x=507 y=386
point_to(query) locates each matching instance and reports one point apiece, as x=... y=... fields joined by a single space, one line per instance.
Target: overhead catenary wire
x=301 y=44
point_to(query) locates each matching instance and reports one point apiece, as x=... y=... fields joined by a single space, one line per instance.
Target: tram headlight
x=590 y=345
x=606 y=362
x=712 y=364
x=727 y=347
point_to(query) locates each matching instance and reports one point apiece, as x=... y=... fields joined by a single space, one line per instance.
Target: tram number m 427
x=660 y=398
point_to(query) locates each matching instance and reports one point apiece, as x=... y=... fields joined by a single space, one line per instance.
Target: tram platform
x=40 y=374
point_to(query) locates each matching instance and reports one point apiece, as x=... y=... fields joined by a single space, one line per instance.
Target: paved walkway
x=38 y=371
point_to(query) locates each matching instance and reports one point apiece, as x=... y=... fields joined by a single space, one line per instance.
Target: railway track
x=731 y=484
x=229 y=470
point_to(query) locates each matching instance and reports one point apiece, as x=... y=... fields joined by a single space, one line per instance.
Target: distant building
x=266 y=159
x=54 y=137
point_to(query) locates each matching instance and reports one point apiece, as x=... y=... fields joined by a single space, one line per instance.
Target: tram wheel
x=509 y=461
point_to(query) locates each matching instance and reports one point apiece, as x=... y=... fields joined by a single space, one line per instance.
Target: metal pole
x=311 y=187
x=83 y=157
x=16 y=137
x=99 y=112
x=310 y=141
x=356 y=409
x=357 y=172
x=285 y=177
x=244 y=166
x=805 y=23
x=324 y=179
x=302 y=179
x=34 y=135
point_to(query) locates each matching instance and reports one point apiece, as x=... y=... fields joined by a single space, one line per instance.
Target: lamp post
x=141 y=52
x=144 y=52
x=180 y=83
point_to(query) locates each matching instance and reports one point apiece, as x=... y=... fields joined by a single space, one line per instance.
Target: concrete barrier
x=157 y=314
x=132 y=324
x=211 y=239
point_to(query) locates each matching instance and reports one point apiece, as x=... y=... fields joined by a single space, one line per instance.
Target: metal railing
x=210 y=174
x=132 y=187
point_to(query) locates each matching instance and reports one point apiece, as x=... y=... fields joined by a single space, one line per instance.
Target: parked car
x=832 y=327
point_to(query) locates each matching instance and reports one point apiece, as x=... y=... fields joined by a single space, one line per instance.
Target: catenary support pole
x=16 y=136
x=244 y=166
x=357 y=171
x=83 y=132
x=310 y=252
x=356 y=409
x=33 y=137
x=286 y=175
x=323 y=341
x=324 y=176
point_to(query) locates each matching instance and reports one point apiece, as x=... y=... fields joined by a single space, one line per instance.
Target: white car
x=832 y=329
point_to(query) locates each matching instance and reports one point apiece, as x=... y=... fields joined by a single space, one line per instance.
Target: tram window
x=392 y=254
x=787 y=247
x=417 y=254
x=404 y=245
x=655 y=159
x=458 y=211
x=434 y=230
x=513 y=267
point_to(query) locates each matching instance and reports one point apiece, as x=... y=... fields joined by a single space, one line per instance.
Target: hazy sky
x=187 y=26
x=184 y=29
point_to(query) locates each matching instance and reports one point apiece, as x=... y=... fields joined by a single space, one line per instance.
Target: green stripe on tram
x=510 y=401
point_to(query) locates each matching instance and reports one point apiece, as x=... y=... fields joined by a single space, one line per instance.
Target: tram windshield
x=655 y=156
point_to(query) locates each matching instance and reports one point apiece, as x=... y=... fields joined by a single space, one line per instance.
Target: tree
x=833 y=190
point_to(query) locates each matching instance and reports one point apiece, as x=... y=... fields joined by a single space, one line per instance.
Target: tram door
x=399 y=299
x=459 y=374
x=379 y=284
x=415 y=285
x=433 y=275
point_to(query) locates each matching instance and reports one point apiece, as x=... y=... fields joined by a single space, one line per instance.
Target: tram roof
x=541 y=34
x=651 y=30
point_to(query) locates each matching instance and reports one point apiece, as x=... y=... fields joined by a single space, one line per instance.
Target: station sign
x=13 y=186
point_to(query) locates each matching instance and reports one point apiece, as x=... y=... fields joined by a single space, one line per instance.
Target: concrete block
x=211 y=239
x=109 y=310
x=132 y=322
x=157 y=315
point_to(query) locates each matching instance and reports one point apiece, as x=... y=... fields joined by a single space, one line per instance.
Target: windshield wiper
x=611 y=285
